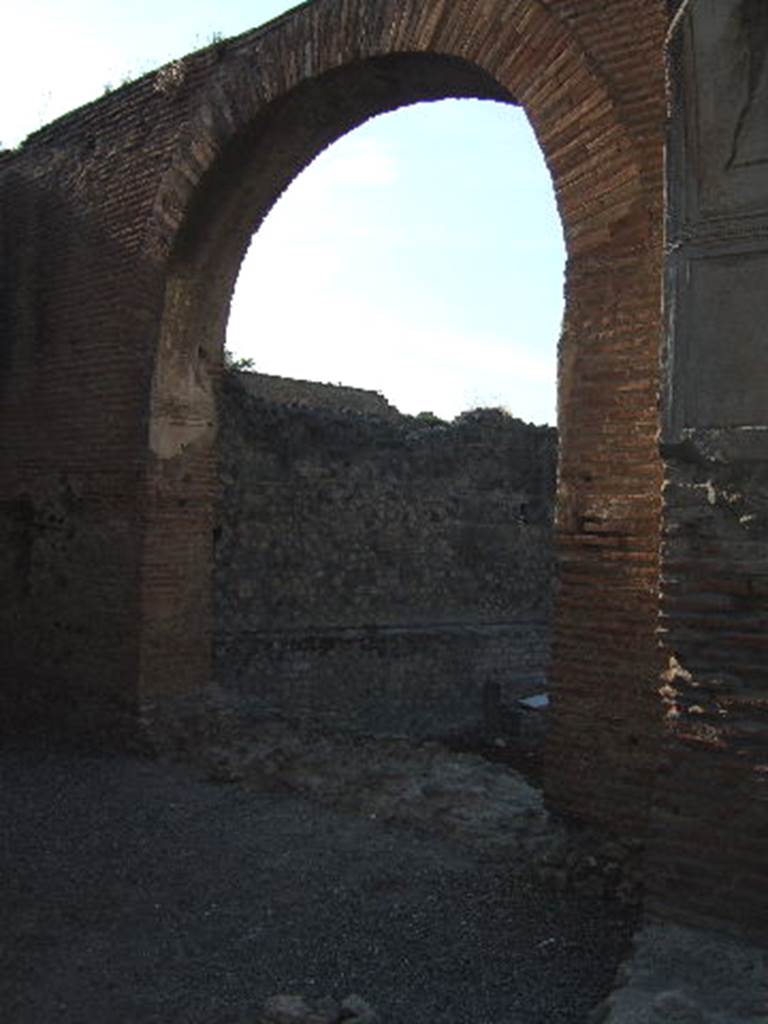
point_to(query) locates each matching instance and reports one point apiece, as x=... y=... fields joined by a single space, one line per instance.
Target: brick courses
x=122 y=227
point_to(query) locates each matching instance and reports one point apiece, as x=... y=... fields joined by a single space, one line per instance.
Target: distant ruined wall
x=286 y=391
x=378 y=572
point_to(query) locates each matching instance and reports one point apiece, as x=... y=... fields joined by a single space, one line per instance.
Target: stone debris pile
x=681 y=975
x=294 y=1009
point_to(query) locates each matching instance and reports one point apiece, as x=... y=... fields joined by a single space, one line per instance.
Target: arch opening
x=420 y=256
x=385 y=571
x=219 y=192
x=232 y=199
x=254 y=169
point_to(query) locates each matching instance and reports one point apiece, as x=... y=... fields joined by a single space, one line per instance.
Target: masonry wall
x=124 y=225
x=70 y=434
x=709 y=825
x=377 y=573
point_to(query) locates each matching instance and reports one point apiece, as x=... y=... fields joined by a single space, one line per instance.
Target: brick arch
x=526 y=56
x=262 y=106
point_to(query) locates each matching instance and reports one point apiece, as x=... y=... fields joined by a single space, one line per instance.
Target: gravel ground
x=136 y=892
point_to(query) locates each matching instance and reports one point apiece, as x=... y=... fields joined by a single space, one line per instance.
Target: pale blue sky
x=421 y=255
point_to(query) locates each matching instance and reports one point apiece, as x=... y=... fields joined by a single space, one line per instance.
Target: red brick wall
x=71 y=439
x=154 y=192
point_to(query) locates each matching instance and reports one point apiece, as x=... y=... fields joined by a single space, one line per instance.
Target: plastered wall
x=710 y=828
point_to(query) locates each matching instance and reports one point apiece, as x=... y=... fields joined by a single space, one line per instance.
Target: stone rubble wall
x=376 y=574
x=420 y=682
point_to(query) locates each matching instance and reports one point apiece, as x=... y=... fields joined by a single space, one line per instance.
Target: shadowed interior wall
x=74 y=309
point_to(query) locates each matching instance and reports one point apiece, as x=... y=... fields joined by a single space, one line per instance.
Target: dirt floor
x=142 y=891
